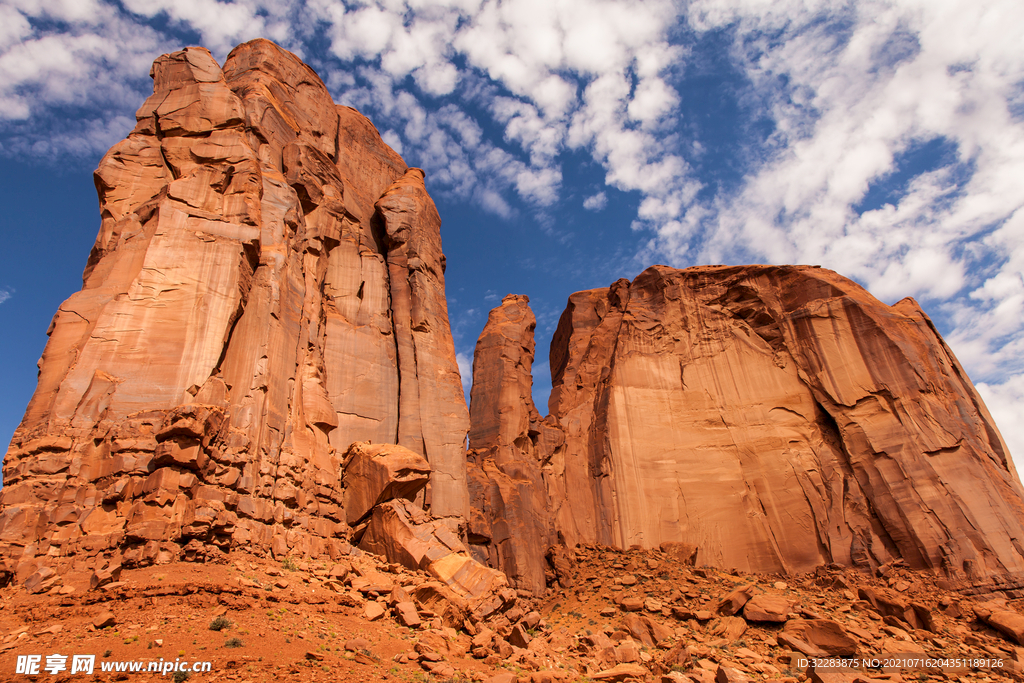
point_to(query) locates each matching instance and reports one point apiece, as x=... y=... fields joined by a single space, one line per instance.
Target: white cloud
x=539 y=57
x=852 y=88
x=652 y=100
x=849 y=90
x=393 y=140
x=861 y=114
x=221 y=24
x=57 y=57
x=1006 y=403
x=556 y=76
x=465 y=361
x=70 y=11
x=596 y=202
x=5 y=294
x=14 y=26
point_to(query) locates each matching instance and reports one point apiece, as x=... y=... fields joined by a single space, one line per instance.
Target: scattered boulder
x=373 y=611
x=102 y=577
x=620 y=672
x=675 y=677
x=441 y=601
x=1003 y=619
x=357 y=644
x=726 y=674
x=503 y=677
x=442 y=670
x=104 y=620
x=519 y=637
x=638 y=629
x=677 y=655
x=732 y=603
x=730 y=628
x=405 y=534
x=627 y=652
x=684 y=553
x=375 y=473
x=407 y=615
x=659 y=632
x=888 y=603
x=817 y=638
x=646 y=630
x=42 y=580
x=632 y=604
x=698 y=675
x=767 y=608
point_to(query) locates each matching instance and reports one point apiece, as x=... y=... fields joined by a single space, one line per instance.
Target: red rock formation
x=431 y=405
x=778 y=418
x=510 y=527
x=376 y=473
x=403 y=533
x=267 y=287
x=501 y=400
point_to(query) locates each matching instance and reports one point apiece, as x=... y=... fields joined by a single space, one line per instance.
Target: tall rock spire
x=510 y=527
x=263 y=265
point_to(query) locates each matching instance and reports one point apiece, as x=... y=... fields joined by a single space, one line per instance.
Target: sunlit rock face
x=266 y=288
x=778 y=418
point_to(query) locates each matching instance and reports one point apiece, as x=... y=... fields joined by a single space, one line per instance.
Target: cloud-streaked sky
x=571 y=142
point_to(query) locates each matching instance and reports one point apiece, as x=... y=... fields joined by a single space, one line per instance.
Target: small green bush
x=220 y=623
x=233 y=642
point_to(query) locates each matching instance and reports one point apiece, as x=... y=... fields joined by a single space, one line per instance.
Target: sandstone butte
x=260 y=358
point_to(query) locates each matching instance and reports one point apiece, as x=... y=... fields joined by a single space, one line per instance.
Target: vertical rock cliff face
x=778 y=418
x=510 y=527
x=267 y=287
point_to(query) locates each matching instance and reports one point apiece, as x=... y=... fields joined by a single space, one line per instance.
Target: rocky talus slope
x=640 y=616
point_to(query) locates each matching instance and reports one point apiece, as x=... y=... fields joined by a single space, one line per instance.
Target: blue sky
x=568 y=143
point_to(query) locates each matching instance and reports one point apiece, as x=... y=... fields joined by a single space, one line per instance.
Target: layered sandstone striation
x=510 y=527
x=266 y=288
x=777 y=418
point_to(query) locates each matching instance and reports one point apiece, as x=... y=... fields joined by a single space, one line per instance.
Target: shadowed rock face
x=778 y=418
x=267 y=287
